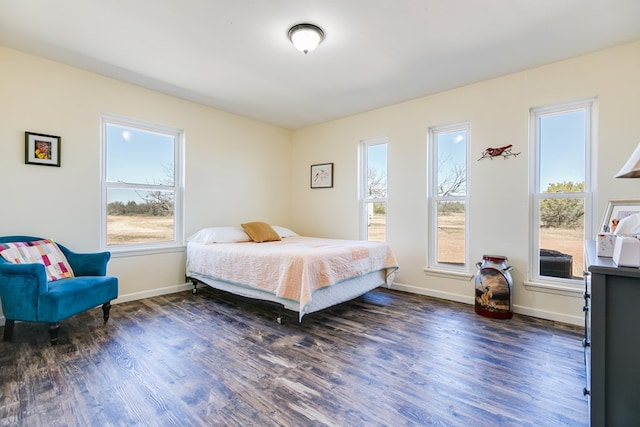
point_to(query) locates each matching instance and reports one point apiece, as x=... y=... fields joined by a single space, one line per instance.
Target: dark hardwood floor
x=385 y=359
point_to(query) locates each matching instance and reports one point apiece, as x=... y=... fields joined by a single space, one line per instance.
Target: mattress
x=305 y=274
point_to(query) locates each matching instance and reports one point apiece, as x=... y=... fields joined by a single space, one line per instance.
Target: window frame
x=433 y=200
x=589 y=106
x=364 y=198
x=132 y=249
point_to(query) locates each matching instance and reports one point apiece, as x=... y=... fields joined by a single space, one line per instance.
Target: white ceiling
x=235 y=55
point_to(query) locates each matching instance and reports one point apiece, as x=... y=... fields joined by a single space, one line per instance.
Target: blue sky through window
x=377 y=158
x=451 y=151
x=136 y=156
x=562 y=148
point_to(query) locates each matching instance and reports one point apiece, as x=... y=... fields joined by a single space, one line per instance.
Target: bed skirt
x=322 y=298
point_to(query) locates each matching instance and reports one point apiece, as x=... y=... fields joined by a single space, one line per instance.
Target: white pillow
x=229 y=234
x=283 y=232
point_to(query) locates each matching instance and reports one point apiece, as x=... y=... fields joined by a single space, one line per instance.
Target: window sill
x=438 y=272
x=127 y=252
x=564 y=289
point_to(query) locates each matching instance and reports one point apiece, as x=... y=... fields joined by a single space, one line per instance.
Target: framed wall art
x=40 y=149
x=617 y=210
x=322 y=175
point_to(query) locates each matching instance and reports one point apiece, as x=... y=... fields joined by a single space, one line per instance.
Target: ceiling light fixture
x=306 y=37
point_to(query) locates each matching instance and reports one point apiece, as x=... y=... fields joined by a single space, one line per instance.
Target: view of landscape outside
x=562 y=171
x=127 y=229
x=565 y=240
x=140 y=180
x=376 y=192
x=451 y=242
x=377 y=229
x=562 y=142
x=124 y=229
x=568 y=241
x=451 y=193
x=137 y=212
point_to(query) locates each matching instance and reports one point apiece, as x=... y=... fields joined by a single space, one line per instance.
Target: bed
x=302 y=274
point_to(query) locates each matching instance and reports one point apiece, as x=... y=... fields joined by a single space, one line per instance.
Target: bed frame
x=322 y=298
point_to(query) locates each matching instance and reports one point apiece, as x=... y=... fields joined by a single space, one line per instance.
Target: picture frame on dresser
x=617 y=210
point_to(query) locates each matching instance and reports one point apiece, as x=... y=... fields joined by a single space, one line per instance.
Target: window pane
x=451 y=232
x=139 y=156
x=562 y=238
x=452 y=167
x=373 y=191
x=562 y=151
x=377 y=171
x=138 y=216
x=448 y=193
x=377 y=224
x=562 y=170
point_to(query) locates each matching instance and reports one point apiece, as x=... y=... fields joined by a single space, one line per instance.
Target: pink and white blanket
x=292 y=268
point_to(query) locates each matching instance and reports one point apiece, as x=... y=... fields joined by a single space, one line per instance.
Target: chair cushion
x=67 y=297
x=44 y=252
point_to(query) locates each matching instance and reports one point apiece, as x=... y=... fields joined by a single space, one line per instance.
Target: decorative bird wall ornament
x=496 y=152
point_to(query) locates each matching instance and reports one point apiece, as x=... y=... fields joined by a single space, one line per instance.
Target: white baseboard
x=152 y=293
x=141 y=295
x=549 y=315
x=527 y=311
x=431 y=293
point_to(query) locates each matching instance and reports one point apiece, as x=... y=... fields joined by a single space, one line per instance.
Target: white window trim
x=433 y=266
x=364 y=199
x=549 y=284
x=178 y=244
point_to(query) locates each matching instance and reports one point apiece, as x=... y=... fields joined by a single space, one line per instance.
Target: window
x=448 y=200
x=374 y=189
x=141 y=185
x=561 y=186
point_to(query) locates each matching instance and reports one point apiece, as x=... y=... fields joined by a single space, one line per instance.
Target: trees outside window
x=373 y=189
x=448 y=201
x=561 y=182
x=141 y=184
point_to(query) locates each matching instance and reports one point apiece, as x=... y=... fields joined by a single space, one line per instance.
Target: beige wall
x=498 y=111
x=240 y=170
x=236 y=169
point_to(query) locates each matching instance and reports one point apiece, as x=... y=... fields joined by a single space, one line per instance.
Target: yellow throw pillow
x=260 y=232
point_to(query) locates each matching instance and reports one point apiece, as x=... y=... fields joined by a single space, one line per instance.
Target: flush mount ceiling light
x=306 y=37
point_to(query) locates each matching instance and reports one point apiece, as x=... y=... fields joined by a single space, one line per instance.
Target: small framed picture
x=322 y=175
x=617 y=210
x=41 y=149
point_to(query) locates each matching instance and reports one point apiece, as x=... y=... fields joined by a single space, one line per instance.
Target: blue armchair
x=27 y=295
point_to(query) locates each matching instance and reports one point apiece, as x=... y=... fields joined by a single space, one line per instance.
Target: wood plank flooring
x=385 y=359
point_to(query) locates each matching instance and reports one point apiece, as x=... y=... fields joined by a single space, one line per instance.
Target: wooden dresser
x=612 y=341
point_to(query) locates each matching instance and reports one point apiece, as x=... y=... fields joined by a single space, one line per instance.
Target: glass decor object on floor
x=494 y=287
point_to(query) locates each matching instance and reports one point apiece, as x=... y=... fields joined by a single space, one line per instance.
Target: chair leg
x=8 y=329
x=106 y=307
x=54 y=329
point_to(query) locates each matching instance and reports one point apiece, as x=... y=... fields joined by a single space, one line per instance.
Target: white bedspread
x=292 y=268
